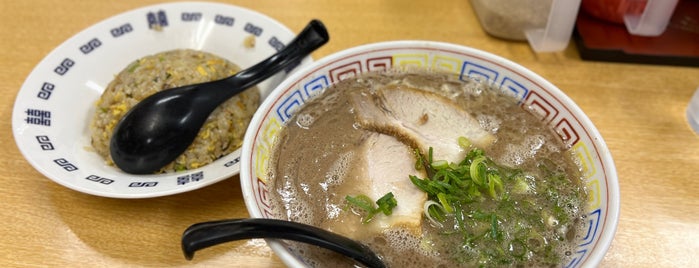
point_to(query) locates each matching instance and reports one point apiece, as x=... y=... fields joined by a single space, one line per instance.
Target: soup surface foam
x=321 y=157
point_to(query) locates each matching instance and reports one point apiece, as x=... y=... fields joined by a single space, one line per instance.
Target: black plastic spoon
x=161 y=127
x=206 y=234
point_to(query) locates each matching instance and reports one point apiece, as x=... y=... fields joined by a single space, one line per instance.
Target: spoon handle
x=313 y=36
x=206 y=234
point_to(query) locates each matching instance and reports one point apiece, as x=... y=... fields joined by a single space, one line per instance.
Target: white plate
x=52 y=111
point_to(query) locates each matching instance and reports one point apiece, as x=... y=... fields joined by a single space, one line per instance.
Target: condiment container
x=693 y=112
x=653 y=20
x=546 y=24
x=641 y=17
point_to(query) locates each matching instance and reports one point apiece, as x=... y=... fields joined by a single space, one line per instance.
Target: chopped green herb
x=385 y=205
x=180 y=167
x=493 y=207
x=361 y=201
x=464 y=142
x=133 y=67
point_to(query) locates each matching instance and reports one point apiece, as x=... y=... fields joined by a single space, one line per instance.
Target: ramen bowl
x=54 y=107
x=542 y=98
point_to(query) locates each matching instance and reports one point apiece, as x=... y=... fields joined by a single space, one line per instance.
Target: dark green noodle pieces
x=385 y=205
x=496 y=211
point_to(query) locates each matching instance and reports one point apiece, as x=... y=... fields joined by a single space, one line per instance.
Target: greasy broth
x=314 y=153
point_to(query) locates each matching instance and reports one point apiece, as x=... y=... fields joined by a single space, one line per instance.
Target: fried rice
x=224 y=129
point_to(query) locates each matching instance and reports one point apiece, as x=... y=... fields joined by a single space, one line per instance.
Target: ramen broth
x=325 y=153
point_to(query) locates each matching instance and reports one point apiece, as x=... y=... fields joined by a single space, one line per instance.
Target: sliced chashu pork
x=420 y=119
x=383 y=165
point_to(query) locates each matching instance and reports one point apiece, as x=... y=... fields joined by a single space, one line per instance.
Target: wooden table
x=639 y=109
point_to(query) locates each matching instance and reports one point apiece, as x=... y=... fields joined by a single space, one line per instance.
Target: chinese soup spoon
x=206 y=234
x=161 y=127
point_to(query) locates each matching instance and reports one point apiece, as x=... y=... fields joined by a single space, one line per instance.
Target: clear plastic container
x=693 y=112
x=546 y=24
x=641 y=17
x=654 y=19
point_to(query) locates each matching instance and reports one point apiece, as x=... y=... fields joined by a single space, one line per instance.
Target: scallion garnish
x=385 y=205
x=473 y=199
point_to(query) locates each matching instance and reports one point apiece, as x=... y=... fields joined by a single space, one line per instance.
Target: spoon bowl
x=161 y=127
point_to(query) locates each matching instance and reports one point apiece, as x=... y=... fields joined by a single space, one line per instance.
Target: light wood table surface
x=639 y=109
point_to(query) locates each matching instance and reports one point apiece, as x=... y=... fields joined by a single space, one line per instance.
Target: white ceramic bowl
x=552 y=105
x=55 y=105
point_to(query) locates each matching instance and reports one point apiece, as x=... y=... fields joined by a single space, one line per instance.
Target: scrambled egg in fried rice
x=224 y=129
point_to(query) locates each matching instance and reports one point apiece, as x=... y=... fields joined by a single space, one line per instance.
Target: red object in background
x=599 y=39
x=613 y=10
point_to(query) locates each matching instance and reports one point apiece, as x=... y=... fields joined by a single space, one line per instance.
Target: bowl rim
x=611 y=177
